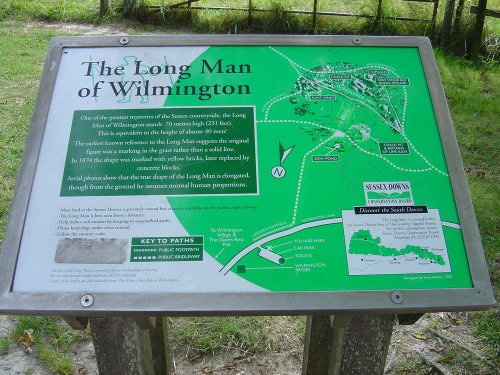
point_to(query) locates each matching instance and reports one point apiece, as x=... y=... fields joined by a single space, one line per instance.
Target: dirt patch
x=437 y=343
x=234 y=362
x=101 y=30
x=17 y=360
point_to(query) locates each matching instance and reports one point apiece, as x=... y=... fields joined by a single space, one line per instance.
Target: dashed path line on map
x=359 y=101
x=385 y=159
x=400 y=131
x=301 y=175
x=278 y=99
x=423 y=157
x=451 y=225
x=339 y=134
x=400 y=121
x=292 y=62
x=295 y=65
x=288 y=232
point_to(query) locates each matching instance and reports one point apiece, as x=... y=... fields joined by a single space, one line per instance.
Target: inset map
x=395 y=243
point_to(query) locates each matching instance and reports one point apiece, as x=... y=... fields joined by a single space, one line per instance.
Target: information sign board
x=242 y=174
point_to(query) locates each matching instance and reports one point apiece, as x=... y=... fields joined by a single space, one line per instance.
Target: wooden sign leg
x=366 y=344
x=121 y=346
x=323 y=344
x=159 y=347
x=346 y=344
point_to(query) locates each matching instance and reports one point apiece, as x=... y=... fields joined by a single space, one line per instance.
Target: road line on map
x=312 y=224
x=301 y=175
x=401 y=130
x=269 y=268
x=295 y=64
x=373 y=242
x=328 y=87
x=451 y=225
x=389 y=69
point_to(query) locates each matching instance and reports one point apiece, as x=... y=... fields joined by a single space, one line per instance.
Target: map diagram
x=324 y=131
x=362 y=242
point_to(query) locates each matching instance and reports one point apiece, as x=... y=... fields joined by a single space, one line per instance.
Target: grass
x=53 y=341
x=472 y=90
x=211 y=334
x=487 y=326
x=4 y=345
x=274 y=17
x=248 y=334
x=86 y=11
x=412 y=366
x=269 y=17
x=459 y=361
x=57 y=362
x=21 y=63
x=49 y=329
x=450 y=347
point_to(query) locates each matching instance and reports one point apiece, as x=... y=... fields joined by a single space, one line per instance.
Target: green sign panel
x=248 y=167
x=375 y=145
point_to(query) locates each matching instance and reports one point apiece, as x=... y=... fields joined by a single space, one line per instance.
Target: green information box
x=242 y=174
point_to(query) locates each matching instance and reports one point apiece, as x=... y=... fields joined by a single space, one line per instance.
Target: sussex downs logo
x=388 y=193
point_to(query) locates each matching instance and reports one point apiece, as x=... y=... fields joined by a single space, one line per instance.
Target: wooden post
x=249 y=12
x=315 y=10
x=128 y=7
x=323 y=344
x=366 y=344
x=458 y=16
x=159 y=347
x=477 y=33
x=448 y=16
x=317 y=344
x=434 y=16
x=121 y=346
x=103 y=7
x=378 y=18
x=340 y=324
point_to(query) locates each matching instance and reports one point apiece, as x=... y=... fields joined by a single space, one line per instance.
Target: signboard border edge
x=480 y=296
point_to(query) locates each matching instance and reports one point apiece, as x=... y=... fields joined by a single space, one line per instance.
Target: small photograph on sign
x=91 y=251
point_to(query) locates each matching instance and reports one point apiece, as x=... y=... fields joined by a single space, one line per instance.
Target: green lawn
x=472 y=90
